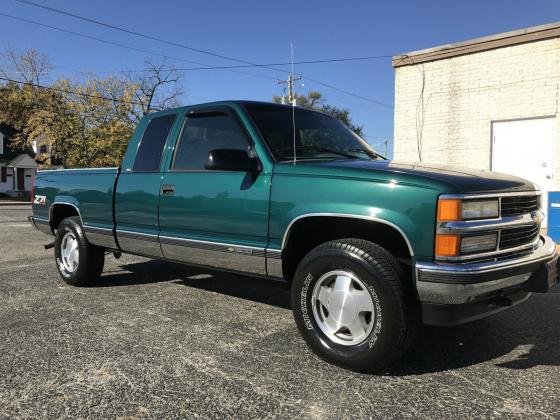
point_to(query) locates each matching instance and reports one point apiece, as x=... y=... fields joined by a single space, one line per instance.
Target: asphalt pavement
x=156 y=340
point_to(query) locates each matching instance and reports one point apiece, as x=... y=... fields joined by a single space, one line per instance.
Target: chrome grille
x=513 y=237
x=517 y=227
x=512 y=206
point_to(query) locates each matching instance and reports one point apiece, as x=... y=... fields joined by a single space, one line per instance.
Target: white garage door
x=525 y=148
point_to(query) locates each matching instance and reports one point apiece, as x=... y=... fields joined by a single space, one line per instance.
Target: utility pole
x=290 y=81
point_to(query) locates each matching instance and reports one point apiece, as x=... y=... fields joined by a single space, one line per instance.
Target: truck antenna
x=292 y=100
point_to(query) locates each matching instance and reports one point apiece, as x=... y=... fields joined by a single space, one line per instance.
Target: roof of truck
x=234 y=102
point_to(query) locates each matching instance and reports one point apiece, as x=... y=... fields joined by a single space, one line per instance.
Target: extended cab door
x=210 y=217
x=139 y=184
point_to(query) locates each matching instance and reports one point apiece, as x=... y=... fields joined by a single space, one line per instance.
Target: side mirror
x=231 y=160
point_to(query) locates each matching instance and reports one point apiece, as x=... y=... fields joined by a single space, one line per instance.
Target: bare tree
x=157 y=87
x=29 y=67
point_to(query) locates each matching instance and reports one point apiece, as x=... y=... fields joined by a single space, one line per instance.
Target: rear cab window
x=150 y=148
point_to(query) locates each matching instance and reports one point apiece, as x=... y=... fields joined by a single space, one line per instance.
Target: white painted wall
x=7 y=186
x=464 y=95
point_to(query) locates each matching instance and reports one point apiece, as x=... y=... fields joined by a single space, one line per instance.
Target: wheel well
x=59 y=212
x=309 y=232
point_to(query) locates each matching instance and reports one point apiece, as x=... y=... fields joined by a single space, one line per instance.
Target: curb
x=14 y=203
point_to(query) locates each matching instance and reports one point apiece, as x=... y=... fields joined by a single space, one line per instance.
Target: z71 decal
x=40 y=200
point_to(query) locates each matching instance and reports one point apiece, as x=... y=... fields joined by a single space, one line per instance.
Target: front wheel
x=79 y=263
x=351 y=306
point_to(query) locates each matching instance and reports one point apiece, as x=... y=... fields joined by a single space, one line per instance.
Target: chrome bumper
x=455 y=284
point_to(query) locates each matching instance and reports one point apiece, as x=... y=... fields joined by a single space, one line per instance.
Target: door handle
x=167 y=189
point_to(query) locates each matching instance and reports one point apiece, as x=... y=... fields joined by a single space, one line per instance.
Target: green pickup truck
x=372 y=248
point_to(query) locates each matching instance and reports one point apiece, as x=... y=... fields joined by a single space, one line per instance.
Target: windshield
x=318 y=136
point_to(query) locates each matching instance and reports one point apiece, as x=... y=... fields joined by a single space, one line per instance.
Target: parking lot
x=158 y=340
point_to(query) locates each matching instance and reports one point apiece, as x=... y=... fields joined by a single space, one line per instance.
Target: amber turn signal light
x=447 y=245
x=449 y=210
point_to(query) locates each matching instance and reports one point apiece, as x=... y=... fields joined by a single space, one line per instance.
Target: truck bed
x=90 y=191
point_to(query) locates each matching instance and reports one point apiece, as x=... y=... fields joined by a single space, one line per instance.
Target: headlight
x=479 y=209
x=478 y=243
x=449 y=210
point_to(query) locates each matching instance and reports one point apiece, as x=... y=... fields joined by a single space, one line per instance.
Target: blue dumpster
x=554 y=216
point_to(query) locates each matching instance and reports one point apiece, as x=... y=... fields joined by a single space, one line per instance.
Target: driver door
x=213 y=217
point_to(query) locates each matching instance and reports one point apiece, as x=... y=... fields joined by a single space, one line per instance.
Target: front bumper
x=457 y=293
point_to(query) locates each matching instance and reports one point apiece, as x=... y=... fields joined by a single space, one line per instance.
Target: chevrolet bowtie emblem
x=537 y=217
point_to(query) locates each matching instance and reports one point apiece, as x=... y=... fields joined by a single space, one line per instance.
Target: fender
x=64 y=203
x=348 y=216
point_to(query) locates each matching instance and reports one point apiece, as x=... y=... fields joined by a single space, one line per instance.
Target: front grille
x=512 y=206
x=510 y=238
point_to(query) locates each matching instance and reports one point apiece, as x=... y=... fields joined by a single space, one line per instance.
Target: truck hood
x=461 y=179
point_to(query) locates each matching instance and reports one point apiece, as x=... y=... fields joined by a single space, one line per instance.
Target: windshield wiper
x=369 y=153
x=322 y=149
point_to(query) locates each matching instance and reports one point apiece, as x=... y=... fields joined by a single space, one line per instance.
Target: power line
x=127 y=31
x=242 y=66
x=187 y=47
x=87 y=95
x=203 y=65
x=117 y=44
x=350 y=93
x=207 y=67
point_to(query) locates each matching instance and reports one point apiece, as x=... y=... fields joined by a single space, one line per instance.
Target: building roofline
x=14 y=163
x=485 y=43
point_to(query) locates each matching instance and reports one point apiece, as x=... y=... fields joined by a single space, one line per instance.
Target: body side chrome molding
x=41 y=224
x=131 y=233
x=139 y=243
x=196 y=243
x=274 y=263
x=239 y=258
x=274 y=253
x=348 y=216
x=48 y=171
x=100 y=236
x=137 y=235
x=100 y=230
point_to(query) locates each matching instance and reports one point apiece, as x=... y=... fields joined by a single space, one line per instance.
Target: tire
x=330 y=293
x=78 y=262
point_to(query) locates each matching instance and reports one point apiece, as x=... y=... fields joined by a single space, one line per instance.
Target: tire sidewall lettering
x=378 y=318
x=303 y=302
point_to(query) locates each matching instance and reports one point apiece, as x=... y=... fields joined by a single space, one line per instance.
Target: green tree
x=85 y=123
x=316 y=101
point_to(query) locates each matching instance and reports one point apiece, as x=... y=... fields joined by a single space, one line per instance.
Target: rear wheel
x=351 y=306
x=78 y=262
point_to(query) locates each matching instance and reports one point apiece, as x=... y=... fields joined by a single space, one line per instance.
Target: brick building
x=488 y=103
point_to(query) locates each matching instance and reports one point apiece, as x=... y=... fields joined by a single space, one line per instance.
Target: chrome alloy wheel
x=69 y=254
x=343 y=308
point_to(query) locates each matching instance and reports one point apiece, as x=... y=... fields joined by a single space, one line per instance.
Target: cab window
x=203 y=133
x=150 y=150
